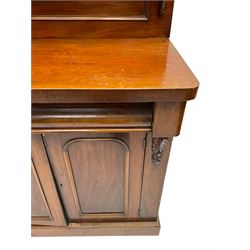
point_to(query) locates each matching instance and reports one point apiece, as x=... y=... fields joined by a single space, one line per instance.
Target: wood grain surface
x=94 y=229
x=98 y=174
x=92 y=116
x=89 y=10
x=153 y=180
x=102 y=19
x=46 y=207
x=109 y=91
x=109 y=70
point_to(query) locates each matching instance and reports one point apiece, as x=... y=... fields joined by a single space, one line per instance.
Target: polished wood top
x=130 y=65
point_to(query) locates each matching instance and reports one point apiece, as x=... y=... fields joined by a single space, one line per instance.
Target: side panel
x=156 y=160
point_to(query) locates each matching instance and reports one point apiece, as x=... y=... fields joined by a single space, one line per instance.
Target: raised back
x=101 y=19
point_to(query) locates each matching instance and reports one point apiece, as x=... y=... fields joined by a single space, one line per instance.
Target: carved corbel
x=158 y=146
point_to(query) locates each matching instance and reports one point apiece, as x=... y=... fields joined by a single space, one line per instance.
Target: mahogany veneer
x=109 y=70
x=109 y=92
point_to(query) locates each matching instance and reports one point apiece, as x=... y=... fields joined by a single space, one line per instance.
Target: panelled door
x=45 y=204
x=99 y=175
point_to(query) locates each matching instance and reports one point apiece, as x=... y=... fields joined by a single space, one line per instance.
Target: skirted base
x=99 y=229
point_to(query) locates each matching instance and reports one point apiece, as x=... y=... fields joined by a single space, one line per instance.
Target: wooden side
x=92 y=116
x=100 y=229
x=46 y=207
x=155 y=24
x=94 y=176
x=167 y=118
x=153 y=178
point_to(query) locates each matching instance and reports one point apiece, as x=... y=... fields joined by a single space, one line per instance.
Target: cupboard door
x=99 y=174
x=45 y=205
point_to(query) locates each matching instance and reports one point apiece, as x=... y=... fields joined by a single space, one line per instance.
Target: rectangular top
x=109 y=70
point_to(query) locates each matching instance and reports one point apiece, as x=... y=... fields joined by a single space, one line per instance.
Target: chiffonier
x=109 y=91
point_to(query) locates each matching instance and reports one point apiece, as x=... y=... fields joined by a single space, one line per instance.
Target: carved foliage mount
x=158 y=146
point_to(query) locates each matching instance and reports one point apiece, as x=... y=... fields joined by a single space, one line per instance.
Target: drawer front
x=93 y=116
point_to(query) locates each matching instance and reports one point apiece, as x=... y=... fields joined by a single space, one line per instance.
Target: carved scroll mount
x=158 y=146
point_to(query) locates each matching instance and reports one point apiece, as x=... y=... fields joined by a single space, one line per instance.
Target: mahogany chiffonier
x=109 y=92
